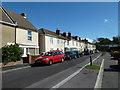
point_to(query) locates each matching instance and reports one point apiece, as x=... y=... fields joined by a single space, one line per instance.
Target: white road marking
x=71 y=76
x=100 y=76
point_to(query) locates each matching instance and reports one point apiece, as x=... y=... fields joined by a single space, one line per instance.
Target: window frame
x=29 y=36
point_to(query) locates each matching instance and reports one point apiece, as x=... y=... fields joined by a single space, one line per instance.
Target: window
x=56 y=53
x=58 y=41
x=51 y=49
x=73 y=43
x=61 y=53
x=29 y=35
x=76 y=44
x=48 y=54
x=51 y=40
x=67 y=42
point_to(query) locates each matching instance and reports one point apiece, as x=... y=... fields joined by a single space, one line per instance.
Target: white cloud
x=106 y=20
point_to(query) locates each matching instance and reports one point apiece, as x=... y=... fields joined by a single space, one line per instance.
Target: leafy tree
x=104 y=41
x=11 y=53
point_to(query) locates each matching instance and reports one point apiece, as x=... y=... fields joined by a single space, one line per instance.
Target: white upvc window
x=51 y=40
x=58 y=41
x=73 y=43
x=76 y=43
x=29 y=35
x=67 y=42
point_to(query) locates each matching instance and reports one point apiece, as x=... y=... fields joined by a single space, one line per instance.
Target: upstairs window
x=73 y=43
x=58 y=41
x=51 y=40
x=29 y=35
x=76 y=43
x=67 y=42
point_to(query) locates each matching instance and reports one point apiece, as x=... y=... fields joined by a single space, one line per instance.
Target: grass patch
x=103 y=54
x=92 y=67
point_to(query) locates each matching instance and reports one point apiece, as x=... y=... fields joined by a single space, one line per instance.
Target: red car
x=51 y=57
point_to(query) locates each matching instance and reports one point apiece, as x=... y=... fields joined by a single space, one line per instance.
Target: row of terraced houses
x=16 y=29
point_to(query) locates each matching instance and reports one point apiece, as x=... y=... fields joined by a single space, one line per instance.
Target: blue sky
x=85 y=19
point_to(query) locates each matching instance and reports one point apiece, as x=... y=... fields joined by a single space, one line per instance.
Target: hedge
x=11 y=53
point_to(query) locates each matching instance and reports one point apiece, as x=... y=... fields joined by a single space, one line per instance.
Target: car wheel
x=62 y=60
x=50 y=62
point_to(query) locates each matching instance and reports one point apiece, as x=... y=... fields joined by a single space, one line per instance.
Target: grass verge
x=103 y=54
x=93 y=67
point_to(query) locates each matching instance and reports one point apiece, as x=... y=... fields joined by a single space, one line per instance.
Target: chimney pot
x=24 y=15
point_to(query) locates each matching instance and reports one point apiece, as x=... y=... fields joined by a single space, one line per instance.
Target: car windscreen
x=67 y=53
x=48 y=54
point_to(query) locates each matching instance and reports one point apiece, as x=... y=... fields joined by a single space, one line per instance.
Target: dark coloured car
x=86 y=52
x=70 y=55
x=91 y=52
x=78 y=53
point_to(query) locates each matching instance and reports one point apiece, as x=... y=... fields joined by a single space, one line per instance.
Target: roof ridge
x=19 y=20
x=6 y=13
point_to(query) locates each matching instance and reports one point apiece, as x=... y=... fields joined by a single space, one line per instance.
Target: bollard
x=90 y=60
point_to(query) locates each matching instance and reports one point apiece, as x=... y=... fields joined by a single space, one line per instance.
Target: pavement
x=70 y=74
x=15 y=67
x=111 y=73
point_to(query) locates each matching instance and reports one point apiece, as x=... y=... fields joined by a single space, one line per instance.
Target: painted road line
x=100 y=76
x=70 y=77
x=14 y=69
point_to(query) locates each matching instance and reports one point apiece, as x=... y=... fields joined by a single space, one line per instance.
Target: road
x=43 y=76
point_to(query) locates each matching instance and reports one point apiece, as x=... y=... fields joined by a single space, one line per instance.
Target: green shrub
x=11 y=53
x=116 y=52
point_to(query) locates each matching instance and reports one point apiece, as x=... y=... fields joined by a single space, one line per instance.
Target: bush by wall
x=11 y=53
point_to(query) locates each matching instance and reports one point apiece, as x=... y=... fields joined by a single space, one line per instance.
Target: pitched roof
x=12 y=17
x=4 y=17
x=48 y=32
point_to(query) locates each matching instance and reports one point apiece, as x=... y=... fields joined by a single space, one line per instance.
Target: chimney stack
x=79 y=39
x=24 y=15
x=58 y=32
x=76 y=38
x=64 y=34
x=69 y=34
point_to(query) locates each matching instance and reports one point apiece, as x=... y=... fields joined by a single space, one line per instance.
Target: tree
x=104 y=41
x=11 y=53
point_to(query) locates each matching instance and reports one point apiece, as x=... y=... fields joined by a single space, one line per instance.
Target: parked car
x=51 y=57
x=86 y=52
x=70 y=55
x=78 y=53
x=91 y=52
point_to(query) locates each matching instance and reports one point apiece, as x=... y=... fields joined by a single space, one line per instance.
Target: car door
x=59 y=56
x=55 y=57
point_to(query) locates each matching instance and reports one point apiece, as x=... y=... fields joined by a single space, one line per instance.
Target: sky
x=84 y=19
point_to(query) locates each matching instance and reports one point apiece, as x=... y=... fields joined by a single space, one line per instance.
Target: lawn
x=92 y=67
x=103 y=54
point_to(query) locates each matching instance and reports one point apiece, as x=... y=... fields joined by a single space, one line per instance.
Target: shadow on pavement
x=113 y=58
x=113 y=68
